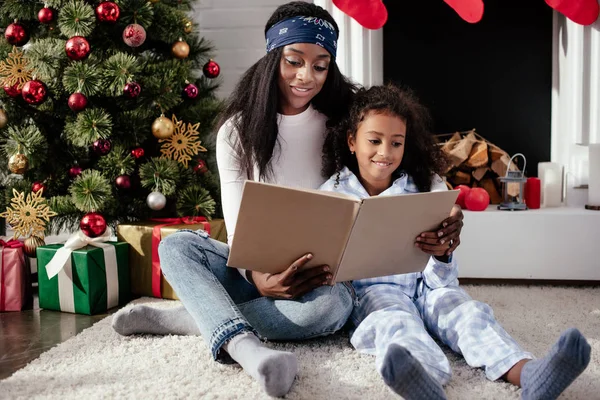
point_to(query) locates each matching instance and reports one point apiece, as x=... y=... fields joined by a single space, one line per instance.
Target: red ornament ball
x=134 y=35
x=137 y=153
x=132 y=90
x=12 y=91
x=92 y=224
x=464 y=190
x=102 y=146
x=123 y=182
x=45 y=15
x=477 y=199
x=201 y=167
x=77 y=102
x=211 y=69
x=190 y=91
x=108 y=12
x=34 y=92
x=75 y=171
x=37 y=186
x=16 y=34
x=77 y=48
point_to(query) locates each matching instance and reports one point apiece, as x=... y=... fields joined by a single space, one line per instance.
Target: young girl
x=383 y=148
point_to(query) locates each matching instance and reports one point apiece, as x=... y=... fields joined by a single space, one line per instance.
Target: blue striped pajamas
x=412 y=309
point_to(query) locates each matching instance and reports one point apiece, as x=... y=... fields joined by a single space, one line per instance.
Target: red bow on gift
x=12 y=243
x=156 y=273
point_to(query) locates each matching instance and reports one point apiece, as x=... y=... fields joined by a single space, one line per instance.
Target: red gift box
x=15 y=287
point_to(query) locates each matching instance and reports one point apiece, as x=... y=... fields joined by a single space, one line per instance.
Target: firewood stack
x=476 y=162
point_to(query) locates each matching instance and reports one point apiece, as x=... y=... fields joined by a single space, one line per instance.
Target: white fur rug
x=98 y=363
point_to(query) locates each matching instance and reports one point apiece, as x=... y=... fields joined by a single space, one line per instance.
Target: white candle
x=594 y=175
x=550 y=175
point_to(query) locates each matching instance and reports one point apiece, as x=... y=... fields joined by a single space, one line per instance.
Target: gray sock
x=546 y=378
x=141 y=319
x=405 y=375
x=274 y=370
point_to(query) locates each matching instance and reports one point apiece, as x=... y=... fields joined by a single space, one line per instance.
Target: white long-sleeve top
x=296 y=161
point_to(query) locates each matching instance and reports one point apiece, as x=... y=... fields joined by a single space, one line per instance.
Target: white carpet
x=98 y=363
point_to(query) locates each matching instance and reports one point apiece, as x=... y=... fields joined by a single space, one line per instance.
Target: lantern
x=513 y=203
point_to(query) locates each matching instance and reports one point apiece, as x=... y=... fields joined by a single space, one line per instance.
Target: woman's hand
x=293 y=282
x=445 y=240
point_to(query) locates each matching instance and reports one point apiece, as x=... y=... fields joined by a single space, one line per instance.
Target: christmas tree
x=107 y=112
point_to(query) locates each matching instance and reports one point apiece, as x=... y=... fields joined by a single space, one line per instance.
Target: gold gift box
x=139 y=237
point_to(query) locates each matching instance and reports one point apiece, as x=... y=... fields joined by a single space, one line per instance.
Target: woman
x=272 y=130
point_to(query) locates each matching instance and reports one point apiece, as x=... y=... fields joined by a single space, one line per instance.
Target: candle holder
x=509 y=202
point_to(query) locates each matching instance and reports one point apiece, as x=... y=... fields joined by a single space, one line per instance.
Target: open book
x=357 y=238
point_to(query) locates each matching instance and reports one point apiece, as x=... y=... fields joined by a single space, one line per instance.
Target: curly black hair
x=254 y=103
x=422 y=156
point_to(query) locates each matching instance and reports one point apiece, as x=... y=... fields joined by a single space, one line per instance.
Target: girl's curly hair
x=422 y=156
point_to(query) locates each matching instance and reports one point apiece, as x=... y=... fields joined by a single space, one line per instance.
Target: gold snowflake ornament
x=183 y=144
x=15 y=69
x=27 y=216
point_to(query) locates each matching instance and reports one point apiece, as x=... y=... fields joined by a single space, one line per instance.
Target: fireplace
x=495 y=76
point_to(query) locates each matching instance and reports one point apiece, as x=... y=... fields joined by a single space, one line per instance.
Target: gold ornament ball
x=188 y=26
x=162 y=128
x=32 y=243
x=3 y=118
x=18 y=163
x=180 y=49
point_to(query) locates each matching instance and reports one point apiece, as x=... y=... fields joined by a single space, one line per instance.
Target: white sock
x=274 y=370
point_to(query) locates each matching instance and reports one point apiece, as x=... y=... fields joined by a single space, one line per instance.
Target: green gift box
x=92 y=280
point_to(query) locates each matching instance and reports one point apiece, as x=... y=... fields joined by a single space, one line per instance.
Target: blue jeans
x=224 y=304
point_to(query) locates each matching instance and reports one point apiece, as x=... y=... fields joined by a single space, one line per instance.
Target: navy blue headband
x=303 y=30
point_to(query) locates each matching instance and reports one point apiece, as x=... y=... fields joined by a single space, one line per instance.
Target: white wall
x=236 y=29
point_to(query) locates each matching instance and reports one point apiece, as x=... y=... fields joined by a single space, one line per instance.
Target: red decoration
x=137 y=153
x=37 y=186
x=108 y=12
x=469 y=10
x=201 y=167
x=190 y=91
x=77 y=48
x=13 y=91
x=132 y=90
x=16 y=34
x=102 y=146
x=75 y=171
x=211 y=69
x=371 y=14
x=583 y=12
x=134 y=35
x=477 y=199
x=464 y=190
x=34 y=92
x=45 y=15
x=123 y=182
x=77 y=102
x=533 y=193
x=92 y=224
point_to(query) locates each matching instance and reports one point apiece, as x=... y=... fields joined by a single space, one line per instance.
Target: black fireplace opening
x=494 y=76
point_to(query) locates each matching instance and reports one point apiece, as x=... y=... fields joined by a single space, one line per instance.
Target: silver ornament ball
x=156 y=201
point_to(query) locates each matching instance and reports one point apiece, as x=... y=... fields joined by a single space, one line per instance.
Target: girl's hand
x=293 y=282
x=446 y=239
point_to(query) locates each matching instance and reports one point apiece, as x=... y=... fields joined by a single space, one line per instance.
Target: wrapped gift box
x=93 y=280
x=143 y=237
x=15 y=283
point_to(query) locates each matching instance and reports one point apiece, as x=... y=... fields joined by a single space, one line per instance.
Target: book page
x=383 y=236
x=277 y=225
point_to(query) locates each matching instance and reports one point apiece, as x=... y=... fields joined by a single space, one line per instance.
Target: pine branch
x=117 y=162
x=160 y=174
x=90 y=191
x=118 y=70
x=195 y=201
x=76 y=18
x=136 y=12
x=84 y=77
x=29 y=141
x=20 y=9
x=46 y=56
x=170 y=26
x=185 y=5
x=91 y=124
